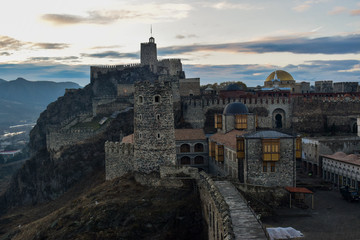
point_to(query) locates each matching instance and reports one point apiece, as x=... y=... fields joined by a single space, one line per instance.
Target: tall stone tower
x=148 y=54
x=154 y=131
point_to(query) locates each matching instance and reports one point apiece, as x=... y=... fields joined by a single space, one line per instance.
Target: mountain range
x=22 y=100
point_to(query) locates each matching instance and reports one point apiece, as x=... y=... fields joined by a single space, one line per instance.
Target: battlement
x=119 y=67
x=119 y=158
x=70 y=119
x=119 y=148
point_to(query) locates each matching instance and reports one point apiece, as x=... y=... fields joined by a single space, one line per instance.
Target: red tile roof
x=227 y=139
x=189 y=134
x=128 y=139
x=298 y=190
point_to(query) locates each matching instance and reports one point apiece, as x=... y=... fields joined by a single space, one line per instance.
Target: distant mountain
x=21 y=99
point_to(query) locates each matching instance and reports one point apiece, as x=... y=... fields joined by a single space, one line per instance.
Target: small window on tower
x=157 y=99
x=141 y=99
x=140 y=117
x=158 y=136
x=158 y=116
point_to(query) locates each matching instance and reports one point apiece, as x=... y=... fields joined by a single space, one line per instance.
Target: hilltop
x=21 y=99
x=118 y=209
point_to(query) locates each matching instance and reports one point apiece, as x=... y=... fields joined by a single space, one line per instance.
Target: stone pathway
x=244 y=223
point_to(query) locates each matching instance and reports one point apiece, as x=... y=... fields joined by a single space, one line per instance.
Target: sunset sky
x=57 y=40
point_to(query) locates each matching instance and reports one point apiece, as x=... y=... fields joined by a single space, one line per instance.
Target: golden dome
x=281 y=75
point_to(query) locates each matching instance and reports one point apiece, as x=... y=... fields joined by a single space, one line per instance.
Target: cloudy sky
x=242 y=40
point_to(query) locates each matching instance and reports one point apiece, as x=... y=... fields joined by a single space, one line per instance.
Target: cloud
x=239 y=6
x=355 y=12
x=305 y=5
x=337 y=10
x=111 y=54
x=8 y=43
x=50 y=45
x=179 y=36
x=255 y=74
x=301 y=7
x=4 y=54
x=145 y=12
x=53 y=58
x=324 y=45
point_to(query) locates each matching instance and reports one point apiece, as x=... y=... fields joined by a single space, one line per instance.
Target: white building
x=342 y=169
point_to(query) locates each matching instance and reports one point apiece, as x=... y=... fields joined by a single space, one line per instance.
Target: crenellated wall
x=58 y=138
x=194 y=109
x=119 y=159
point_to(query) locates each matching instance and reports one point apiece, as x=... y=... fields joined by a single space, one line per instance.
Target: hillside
x=118 y=209
x=21 y=99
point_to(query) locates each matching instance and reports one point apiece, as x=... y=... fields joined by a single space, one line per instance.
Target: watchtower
x=148 y=54
x=154 y=133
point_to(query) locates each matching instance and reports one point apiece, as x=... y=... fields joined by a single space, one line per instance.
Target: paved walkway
x=244 y=223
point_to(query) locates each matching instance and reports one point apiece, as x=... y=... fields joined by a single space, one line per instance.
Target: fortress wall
x=118 y=159
x=215 y=210
x=319 y=115
x=56 y=139
x=174 y=66
x=190 y=86
x=107 y=109
x=194 y=109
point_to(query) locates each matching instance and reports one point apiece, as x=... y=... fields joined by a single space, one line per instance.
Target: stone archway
x=278 y=121
x=278 y=118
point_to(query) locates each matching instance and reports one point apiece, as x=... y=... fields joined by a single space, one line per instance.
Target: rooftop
x=128 y=139
x=227 y=139
x=268 y=134
x=343 y=157
x=189 y=134
x=235 y=108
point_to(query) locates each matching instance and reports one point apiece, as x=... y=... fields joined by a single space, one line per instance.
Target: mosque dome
x=233 y=87
x=235 y=108
x=280 y=75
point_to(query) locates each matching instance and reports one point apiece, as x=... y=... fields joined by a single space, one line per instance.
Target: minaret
x=154 y=131
x=148 y=53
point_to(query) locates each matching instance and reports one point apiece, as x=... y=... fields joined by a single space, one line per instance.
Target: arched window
x=158 y=136
x=185 y=161
x=199 y=160
x=157 y=99
x=185 y=148
x=199 y=147
x=141 y=99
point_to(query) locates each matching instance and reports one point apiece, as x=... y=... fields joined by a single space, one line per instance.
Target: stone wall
x=324 y=86
x=125 y=90
x=284 y=174
x=346 y=86
x=190 y=87
x=119 y=158
x=56 y=139
x=171 y=67
x=319 y=115
x=215 y=210
x=195 y=109
x=109 y=108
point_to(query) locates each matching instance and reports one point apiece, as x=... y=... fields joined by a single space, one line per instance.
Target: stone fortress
x=253 y=132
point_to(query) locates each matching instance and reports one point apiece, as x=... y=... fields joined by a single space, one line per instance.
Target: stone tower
x=148 y=54
x=154 y=133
